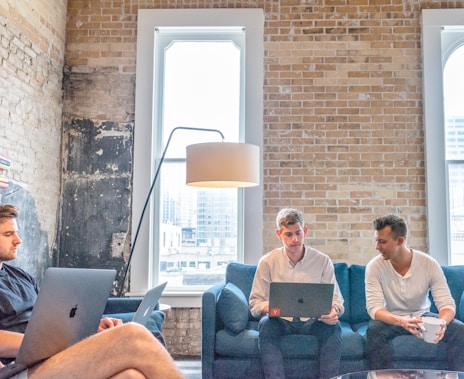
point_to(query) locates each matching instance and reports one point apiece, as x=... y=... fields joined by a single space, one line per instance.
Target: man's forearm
x=10 y=343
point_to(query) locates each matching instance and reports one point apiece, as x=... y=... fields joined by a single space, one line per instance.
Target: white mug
x=430 y=327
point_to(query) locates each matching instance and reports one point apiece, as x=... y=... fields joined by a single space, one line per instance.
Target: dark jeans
x=272 y=329
x=379 y=335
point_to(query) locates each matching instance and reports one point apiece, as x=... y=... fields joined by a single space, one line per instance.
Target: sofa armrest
x=122 y=304
x=460 y=309
x=208 y=325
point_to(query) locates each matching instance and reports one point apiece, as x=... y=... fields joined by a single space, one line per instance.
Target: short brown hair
x=289 y=216
x=7 y=211
x=396 y=223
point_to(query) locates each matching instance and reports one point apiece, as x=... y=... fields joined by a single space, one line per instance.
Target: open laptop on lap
x=308 y=300
x=68 y=309
x=148 y=304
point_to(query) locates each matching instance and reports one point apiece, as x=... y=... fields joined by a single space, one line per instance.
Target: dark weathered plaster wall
x=34 y=253
x=96 y=194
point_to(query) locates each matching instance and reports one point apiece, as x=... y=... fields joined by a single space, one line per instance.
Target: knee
x=131 y=374
x=375 y=328
x=266 y=324
x=133 y=331
x=456 y=328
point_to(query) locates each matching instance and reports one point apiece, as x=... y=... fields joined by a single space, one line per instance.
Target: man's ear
x=277 y=232
x=401 y=240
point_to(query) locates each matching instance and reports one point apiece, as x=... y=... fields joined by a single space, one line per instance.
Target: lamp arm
x=147 y=201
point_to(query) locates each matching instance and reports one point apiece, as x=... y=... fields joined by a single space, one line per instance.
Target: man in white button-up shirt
x=295 y=262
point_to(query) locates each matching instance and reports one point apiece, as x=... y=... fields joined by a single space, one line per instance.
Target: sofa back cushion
x=455 y=278
x=242 y=276
x=358 y=294
x=343 y=280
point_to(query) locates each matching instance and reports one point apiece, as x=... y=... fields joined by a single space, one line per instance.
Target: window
x=453 y=89
x=171 y=240
x=443 y=58
x=200 y=84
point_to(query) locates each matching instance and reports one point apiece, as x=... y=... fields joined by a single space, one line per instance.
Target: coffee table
x=403 y=374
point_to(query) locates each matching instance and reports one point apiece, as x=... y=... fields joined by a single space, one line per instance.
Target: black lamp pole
x=155 y=178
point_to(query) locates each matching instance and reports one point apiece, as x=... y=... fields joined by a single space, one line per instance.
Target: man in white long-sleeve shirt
x=398 y=282
x=295 y=262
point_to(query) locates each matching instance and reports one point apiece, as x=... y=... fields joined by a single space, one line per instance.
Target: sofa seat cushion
x=246 y=343
x=409 y=348
x=238 y=345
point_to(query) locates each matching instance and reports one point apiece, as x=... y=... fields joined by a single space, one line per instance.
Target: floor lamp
x=211 y=164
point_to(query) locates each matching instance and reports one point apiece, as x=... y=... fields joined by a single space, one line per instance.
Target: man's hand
x=330 y=319
x=412 y=325
x=107 y=323
x=441 y=333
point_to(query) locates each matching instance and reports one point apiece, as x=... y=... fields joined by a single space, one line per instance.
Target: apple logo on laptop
x=73 y=311
x=300 y=301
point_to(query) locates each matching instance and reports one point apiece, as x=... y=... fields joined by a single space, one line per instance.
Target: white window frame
x=145 y=139
x=433 y=20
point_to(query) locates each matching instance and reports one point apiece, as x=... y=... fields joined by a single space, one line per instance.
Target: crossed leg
x=128 y=351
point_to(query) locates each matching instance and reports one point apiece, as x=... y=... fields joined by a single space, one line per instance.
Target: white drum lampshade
x=222 y=165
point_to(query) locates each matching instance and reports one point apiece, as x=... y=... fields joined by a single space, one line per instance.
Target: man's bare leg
x=129 y=374
x=118 y=352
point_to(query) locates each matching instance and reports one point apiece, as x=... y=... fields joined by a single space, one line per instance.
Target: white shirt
x=275 y=266
x=403 y=295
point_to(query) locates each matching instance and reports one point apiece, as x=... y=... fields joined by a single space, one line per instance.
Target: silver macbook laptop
x=300 y=299
x=148 y=304
x=68 y=309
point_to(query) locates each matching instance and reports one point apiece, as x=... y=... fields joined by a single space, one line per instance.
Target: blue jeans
x=271 y=331
x=379 y=335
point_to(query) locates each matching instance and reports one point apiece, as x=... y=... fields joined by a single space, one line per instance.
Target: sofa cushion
x=243 y=344
x=246 y=343
x=343 y=280
x=242 y=276
x=232 y=307
x=358 y=295
x=455 y=280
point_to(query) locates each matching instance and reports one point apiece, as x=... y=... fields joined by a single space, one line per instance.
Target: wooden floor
x=190 y=367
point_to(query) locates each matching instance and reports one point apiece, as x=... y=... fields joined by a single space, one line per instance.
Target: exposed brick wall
x=32 y=37
x=182 y=331
x=343 y=127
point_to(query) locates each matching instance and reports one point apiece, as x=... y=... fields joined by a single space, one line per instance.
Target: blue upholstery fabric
x=455 y=278
x=358 y=294
x=229 y=355
x=237 y=345
x=242 y=276
x=233 y=308
x=343 y=280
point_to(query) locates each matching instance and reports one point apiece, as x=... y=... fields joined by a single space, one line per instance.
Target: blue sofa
x=124 y=308
x=230 y=332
